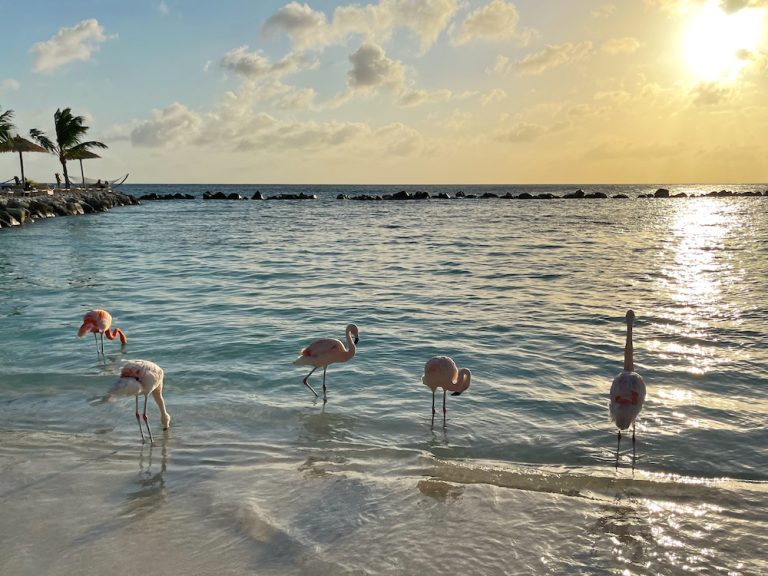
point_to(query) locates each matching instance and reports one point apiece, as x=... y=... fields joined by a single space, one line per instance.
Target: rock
x=661 y=193
x=622 y=196
x=489 y=195
x=680 y=195
x=596 y=195
x=257 y=196
x=402 y=195
x=578 y=194
x=525 y=196
x=459 y=194
x=421 y=195
x=234 y=196
x=545 y=196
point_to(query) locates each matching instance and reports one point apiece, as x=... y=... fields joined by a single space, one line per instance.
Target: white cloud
x=9 y=85
x=69 y=45
x=372 y=68
x=625 y=45
x=254 y=64
x=553 y=56
x=500 y=66
x=175 y=124
x=416 y=97
x=521 y=132
x=310 y=29
x=495 y=95
x=497 y=20
x=163 y=8
x=711 y=94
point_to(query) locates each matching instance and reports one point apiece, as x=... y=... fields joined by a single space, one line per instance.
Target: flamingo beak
x=357 y=339
x=456 y=393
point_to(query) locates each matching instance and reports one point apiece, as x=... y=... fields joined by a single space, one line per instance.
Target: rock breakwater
x=18 y=210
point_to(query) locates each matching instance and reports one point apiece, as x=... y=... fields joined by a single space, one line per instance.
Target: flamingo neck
x=114 y=333
x=350 y=346
x=463 y=379
x=629 y=364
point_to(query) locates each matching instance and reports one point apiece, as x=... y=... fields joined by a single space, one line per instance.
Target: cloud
x=521 y=132
x=625 y=45
x=69 y=45
x=711 y=94
x=553 y=56
x=310 y=29
x=298 y=99
x=604 y=11
x=619 y=150
x=501 y=65
x=163 y=8
x=736 y=5
x=413 y=98
x=254 y=64
x=495 y=95
x=175 y=124
x=9 y=85
x=371 y=68
x=497 y=20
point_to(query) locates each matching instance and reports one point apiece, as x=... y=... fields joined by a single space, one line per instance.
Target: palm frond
x=40 y=137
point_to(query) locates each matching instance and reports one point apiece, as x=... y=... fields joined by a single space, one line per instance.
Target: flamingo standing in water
x=441 y=372
x=326 y=351
x=99 y=322
x=627 y=393
x=142 y=377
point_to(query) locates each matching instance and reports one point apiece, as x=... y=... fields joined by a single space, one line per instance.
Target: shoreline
x=20 y=210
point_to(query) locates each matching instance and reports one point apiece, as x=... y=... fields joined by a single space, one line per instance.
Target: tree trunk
x=66 y=175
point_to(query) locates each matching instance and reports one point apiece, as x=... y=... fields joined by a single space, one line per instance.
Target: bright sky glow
x=397 y=91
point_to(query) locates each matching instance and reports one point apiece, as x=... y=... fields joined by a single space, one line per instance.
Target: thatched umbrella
x=82 y=155
x=19 y=144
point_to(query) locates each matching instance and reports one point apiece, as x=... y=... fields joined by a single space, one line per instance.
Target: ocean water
x=257 y=477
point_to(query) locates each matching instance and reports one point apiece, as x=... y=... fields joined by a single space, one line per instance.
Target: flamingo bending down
x=441 y=372
x=323 y=352
x=99 y=322
x=627 y=393
x=142 y=377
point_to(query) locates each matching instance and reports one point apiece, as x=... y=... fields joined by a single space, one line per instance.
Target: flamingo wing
x=440 y=371
x=320 y=352
x=627 y=398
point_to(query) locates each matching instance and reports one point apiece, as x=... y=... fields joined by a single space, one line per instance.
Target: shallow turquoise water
x=255 y=476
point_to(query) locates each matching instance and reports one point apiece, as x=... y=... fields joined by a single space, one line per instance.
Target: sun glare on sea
x=718 y=45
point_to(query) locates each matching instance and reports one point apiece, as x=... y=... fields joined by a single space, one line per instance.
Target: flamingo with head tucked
x=99 y=322
x=441 y=372
x=327 y=351
x=142 y=377
x=627 y=393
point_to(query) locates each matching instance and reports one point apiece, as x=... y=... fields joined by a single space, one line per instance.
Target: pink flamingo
x=627 y=393
x=323 y=352
x=99 y=322
x=142 y=377
x=441 y=372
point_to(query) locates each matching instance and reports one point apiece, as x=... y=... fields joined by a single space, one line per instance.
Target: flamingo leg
x=307 y=383
x=96 y=339
x=102 y=342
x=146 y=420
x=325 y=397
x=138 y=420
x=445 y=410
x=634 y=455
x=433 y=408
x=618 y=445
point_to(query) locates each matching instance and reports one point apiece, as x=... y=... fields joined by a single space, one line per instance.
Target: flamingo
x=99 y=322
x=627 y=393
x=326 y=351
x=142 y=377
x=441 y=372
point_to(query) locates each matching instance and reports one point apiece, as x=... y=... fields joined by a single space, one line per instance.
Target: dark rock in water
x=402 y=195
x=471 y=196
x=257 y=196
x=460 y=194
x=207 y=195
x=442 y=196
x=596 y=195
x=387 y=197
x=545 y=196
x=526 y=196
x=342 y=197
x=489 y=195
x=234 y=196
x=662 y=193
x=421 y=195
x=622 y=196
x=219 y=196
x=578 y=194
x=680 y=195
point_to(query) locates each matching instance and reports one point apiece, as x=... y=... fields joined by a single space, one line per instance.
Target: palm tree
x=69 y=133
x=6 y=126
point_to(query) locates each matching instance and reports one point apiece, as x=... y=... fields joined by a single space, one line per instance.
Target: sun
x=717 y=45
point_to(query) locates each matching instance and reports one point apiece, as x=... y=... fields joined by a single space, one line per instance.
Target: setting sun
x=717 y=44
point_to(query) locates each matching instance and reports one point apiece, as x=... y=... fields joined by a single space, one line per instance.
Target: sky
x=396 y=91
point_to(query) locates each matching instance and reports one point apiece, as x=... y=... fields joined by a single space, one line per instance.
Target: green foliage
x=6 y=125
